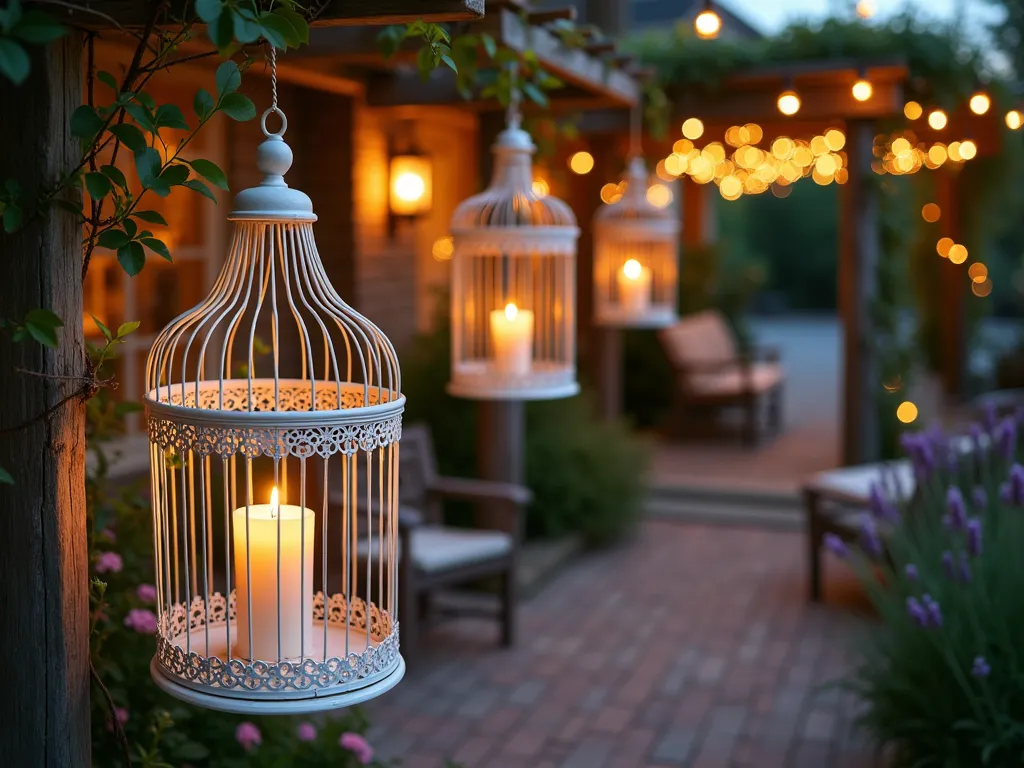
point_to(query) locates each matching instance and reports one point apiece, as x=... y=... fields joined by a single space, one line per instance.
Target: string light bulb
x=1014 y=119
x=789 y=102
x=937 y=119
x=708 y=23
x=980 y=103
x=862 y=89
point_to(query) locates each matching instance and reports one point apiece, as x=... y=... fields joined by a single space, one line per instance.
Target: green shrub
x=587 y=475
x=942 y=672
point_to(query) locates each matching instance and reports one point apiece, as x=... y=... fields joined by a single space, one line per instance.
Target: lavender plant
x=942 y=672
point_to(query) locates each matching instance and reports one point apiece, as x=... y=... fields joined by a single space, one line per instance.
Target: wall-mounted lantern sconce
x=410 y=177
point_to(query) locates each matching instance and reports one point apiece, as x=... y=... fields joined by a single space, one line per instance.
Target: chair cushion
x=733 y=381
x=852 y=485
x=436 y=548
x=701 y=338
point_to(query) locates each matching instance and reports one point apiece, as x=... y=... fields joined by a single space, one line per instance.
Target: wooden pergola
x=827 y=102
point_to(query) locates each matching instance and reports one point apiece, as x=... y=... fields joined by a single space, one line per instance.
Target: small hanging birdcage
x=636 y=255
x=274 y=469
x=513 y=284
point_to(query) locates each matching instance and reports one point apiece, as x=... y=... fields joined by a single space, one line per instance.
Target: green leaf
x=113 y=239
x=211 y=172
x=246 y=30
x=12 y=217
x=98 y=185
x=131 y=137
x=222 y=32
x=113 y=173
x=42 y=326
x=146 y=100
x=238 y=107
x=152 y=217
x=209 y=10
x=535 y=94
x=298 y=22
x=277 y=31
x=201 y=188
x=174 y=175
x=85 y=122
x=103 y=329
x=141 y=114
x=38 y=28
x=157 y=246
x=107 y=79
x=130 y=228
x=202 y=104
x=132 y=258
x=125 y=328
x=451 y=64
x=169 y=116
x=14 y=63
x=5 y=477
x=490 y=46
x=228 y=78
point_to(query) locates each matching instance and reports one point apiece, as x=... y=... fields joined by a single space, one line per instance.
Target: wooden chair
x=711 y=372
x=445 y=556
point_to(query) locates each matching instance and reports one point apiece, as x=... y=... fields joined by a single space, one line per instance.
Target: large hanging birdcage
x=636 y=255
x=274 y=414
x=513 y=284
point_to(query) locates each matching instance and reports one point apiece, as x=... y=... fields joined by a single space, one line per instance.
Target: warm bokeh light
x=754 y=133
x=978 y=272
x=982 y=289
x=937 y=154
x=937 y=119
x=931 y=212
x=682 y=147
x=581 y=163
x=866 y=9
x=835 y=139
x=541 y=188
x=443 y=248
x=410 y=184
x=659 y=195
x=968 y=150
x=610 y=193
x=693 y=128
x=943 y=246
x=632 y=269
x=980 y=103
x=708 y=24
x=511 y=311
x=906 y=412
x=862 y=90
x=1014 y=119
x=958 y=253
x=731 y=188
x=789 y=102
x=912 y=110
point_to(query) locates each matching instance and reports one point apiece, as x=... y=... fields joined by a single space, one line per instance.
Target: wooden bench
x=446 y=556
x=711 y=372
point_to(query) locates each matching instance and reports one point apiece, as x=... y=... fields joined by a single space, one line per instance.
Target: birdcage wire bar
x=274 y=475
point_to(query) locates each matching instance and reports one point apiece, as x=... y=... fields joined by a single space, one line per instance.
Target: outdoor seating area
x=511 y=384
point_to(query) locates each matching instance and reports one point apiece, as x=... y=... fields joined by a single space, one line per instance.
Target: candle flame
x=632 y=269
x=511 y=310
x=275 y=505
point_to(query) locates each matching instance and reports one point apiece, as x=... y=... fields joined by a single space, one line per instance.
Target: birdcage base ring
x=479 y=380
x=318 y=703
x=653 y=318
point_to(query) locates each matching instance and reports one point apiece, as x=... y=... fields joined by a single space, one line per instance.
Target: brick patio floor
x=689 y=646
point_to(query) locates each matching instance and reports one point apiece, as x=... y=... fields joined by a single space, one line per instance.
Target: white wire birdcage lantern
x=513 y=284
x=636 y=258
x=274 y=470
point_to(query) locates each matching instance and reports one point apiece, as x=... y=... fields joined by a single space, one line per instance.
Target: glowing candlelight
x=512 y=335
x=634 y=288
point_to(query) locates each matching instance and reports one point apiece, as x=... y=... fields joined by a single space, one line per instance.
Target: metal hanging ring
x=284 y=122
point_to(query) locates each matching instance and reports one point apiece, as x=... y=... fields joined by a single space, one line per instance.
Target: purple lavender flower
x=1016 y=485
x=974 y=536
x=911 y=572
x=979 y=497
x=957 y=517
x=917 y=612
x=306 y=732
x=141 y=620
x=977 y=436
x=921 y=454
x=981 y=668
x=146 y=593
x=933 y=609
x=965 y=569
x=869 y=540
x=880 y=506
x=109 y=562
x=358 y=746
x=836 y=545
x=249 y=736
x=947 y=563
x=1006 y=438
x=990 y=417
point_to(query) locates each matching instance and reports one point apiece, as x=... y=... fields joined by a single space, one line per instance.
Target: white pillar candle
x=634 y=288
x=512 y=336
x=257 y=559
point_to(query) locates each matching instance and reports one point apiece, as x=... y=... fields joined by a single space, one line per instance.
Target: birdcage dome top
x=634 y=206
x=273 y=341
x=510 y=201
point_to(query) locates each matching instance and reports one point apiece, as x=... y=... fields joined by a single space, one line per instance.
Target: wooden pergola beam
x=136 y=13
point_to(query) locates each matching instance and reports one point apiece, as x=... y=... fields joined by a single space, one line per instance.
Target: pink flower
x=307 y=732
x=248 y=735
x=141 y=620
x=146 y=593
x=122 y=718
x=358 y=746
x=109 y=562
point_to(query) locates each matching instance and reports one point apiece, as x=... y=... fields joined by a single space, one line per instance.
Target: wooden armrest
x=469 y=489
